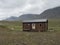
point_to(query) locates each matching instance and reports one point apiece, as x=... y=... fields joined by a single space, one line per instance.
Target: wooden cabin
x=38 y=25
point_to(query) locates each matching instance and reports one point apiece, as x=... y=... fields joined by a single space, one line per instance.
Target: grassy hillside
x=54 y=24
x=12 y=25
x=11 y=34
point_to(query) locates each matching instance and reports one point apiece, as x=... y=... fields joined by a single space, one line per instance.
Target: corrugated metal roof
x=35 y=20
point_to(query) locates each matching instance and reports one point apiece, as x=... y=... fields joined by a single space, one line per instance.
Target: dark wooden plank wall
x=26 y=26
x=38 y=26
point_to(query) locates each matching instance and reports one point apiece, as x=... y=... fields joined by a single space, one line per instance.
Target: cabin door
x=33 y=26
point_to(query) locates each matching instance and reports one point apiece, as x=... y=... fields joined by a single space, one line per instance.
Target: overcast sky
x=17 y=7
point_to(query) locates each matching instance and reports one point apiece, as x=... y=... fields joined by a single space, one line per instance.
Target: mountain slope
x=12 y=18
x=51 y=13
x=28 y=16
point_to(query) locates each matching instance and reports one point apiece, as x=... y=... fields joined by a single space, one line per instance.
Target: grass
x=11 y=34
x=54 y=24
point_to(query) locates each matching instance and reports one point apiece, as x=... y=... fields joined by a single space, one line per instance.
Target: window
x=28 y=24
x=40 y=24
x=33 y=26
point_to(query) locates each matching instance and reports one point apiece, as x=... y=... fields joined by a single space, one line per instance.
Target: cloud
x=17 y=7
x=11 y=8
x=12 y=3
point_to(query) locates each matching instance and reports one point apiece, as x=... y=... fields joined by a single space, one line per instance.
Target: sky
x=18 y=7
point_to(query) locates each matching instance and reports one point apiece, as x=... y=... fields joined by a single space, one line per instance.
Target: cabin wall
x=42 y=26
x=46 y=26
x=26 y=26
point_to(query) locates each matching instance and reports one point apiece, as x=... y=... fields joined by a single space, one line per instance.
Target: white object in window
x=33 y=26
